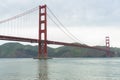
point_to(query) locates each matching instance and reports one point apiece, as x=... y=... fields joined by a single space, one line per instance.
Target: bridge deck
x=11 y=38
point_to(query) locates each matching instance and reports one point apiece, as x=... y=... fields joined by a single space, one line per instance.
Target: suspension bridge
x=42 y=40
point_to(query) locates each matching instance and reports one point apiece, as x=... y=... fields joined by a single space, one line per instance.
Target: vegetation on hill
x=17 y=50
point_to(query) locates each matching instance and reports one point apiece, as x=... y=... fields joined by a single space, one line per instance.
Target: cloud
x=9 y=8
x=87 y=12
x=75 y=12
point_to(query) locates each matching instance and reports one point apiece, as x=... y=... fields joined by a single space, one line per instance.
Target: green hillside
x=17 y=50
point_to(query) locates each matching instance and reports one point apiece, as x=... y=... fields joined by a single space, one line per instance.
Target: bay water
x=60 y=69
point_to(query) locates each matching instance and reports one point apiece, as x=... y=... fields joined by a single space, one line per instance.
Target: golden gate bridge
x=42 y=34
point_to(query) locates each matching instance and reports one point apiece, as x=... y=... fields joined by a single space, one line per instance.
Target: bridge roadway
x=11 y=38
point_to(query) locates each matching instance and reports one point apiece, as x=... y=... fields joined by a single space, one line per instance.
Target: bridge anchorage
x=42 y=38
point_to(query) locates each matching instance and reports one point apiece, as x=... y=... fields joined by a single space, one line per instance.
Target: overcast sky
x=89 y=20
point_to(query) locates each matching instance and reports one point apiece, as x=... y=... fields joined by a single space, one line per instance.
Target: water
x=60 y=69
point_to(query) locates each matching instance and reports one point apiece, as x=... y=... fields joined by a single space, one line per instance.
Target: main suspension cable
x=19 y=15
x=60 y=28
x=74 y=37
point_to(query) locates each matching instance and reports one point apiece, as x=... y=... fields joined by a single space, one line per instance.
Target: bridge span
x=42 y=37
x=30 y=40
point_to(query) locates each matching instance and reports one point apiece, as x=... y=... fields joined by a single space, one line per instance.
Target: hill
x=17 y=50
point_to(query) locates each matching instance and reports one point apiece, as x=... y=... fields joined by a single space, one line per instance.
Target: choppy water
x=60 y=69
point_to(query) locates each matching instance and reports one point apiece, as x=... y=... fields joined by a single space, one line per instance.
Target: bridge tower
x=42 y=44
x=107 y=46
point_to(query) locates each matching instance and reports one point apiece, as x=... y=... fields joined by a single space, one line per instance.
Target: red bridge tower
x=42 y=44
x=107 y=46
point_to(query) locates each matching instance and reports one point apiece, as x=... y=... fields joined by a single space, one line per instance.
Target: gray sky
x=89 y=20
